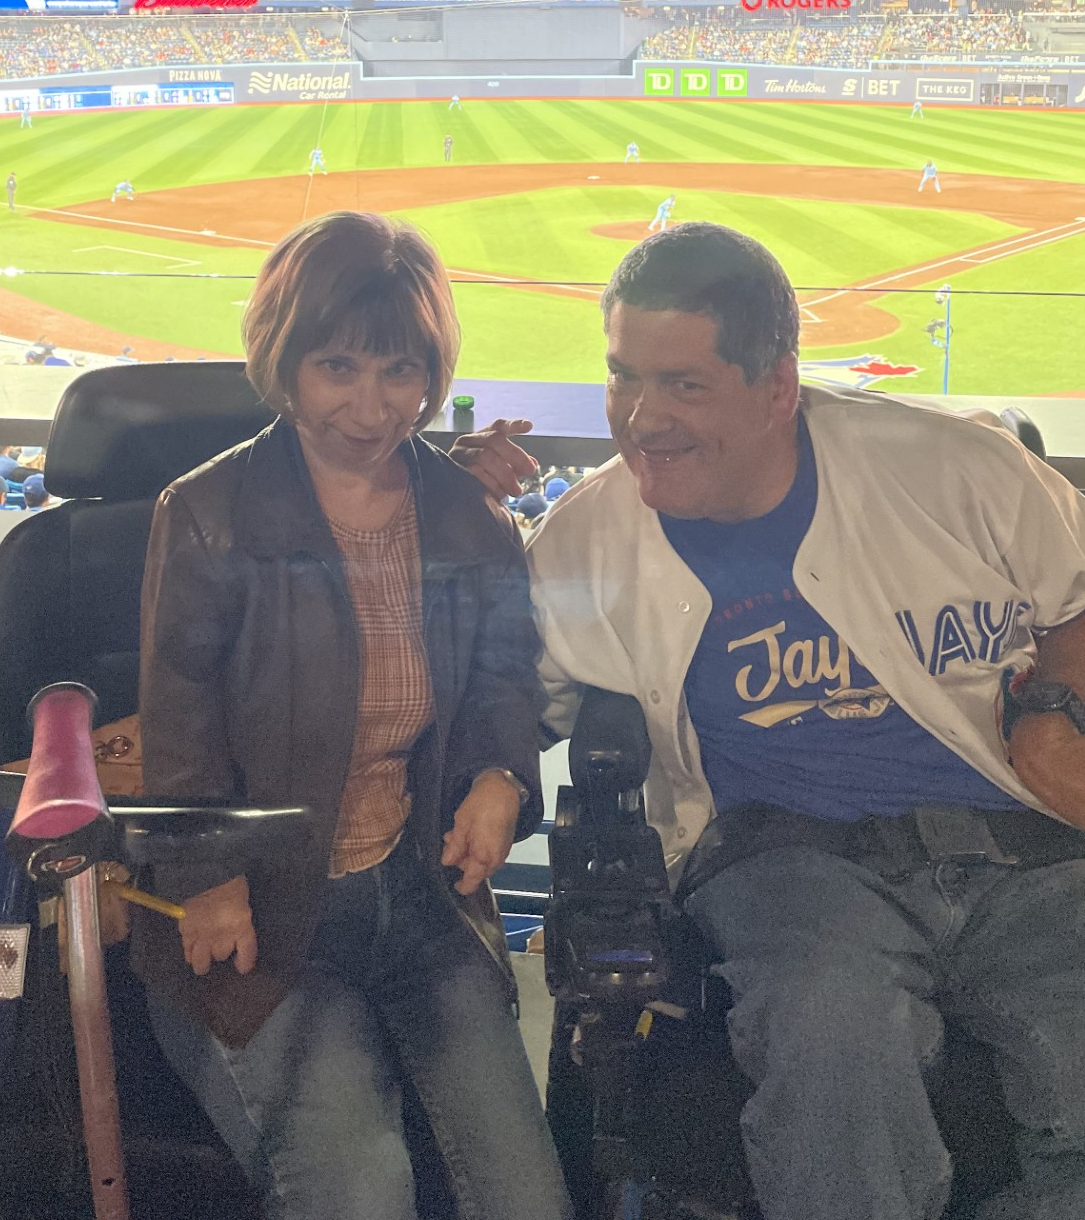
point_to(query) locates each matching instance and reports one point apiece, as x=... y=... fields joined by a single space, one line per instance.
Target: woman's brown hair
x=359 y=277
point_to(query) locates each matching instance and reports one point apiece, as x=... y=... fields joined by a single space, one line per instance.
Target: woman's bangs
x=385 y=325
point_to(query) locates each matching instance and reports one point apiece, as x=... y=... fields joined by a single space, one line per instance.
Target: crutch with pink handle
x=61 y=828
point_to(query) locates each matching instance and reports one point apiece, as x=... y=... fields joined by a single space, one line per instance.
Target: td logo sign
x=695 y=82
x=658 y=82
x=732 y=82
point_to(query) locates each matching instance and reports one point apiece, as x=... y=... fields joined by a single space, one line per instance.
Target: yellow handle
x=161 y=905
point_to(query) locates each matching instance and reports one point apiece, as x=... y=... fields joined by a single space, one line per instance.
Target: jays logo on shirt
x=784 y=710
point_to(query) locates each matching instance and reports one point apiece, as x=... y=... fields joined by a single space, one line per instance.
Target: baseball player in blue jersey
x=124 y=188
x=663 y=214
x=454 y=102
x=316 y=159
x=632 y=152
x=25 y=118
x=917 y=110
x=930 y=173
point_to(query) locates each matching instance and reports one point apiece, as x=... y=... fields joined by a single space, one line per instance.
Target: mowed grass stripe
x=597 y=117
x=887 y=138
x=673 y=133
x=522 y=126
x=107 y=152
x=576 y=126
x=911 y=146
x=732 y=136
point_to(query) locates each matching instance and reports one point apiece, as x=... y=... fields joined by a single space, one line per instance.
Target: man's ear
x=784 y=388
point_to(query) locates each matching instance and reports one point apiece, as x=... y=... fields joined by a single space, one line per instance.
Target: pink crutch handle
x=60 y=795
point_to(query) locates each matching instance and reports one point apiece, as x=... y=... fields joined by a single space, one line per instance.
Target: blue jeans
x=841 y=982
x=312 y=1106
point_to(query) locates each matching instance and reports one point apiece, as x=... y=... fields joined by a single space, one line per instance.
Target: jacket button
x=655 y=696
x=681 y=832
x=683 y=607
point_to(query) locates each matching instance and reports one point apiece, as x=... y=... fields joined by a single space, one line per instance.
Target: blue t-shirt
x=784 y=711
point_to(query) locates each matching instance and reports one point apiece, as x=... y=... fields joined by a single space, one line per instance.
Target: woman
x=334 y=616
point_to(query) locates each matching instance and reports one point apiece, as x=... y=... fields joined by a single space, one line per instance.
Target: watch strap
x=513 y=779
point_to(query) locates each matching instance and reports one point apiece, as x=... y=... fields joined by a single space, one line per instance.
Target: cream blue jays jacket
x=938 y=548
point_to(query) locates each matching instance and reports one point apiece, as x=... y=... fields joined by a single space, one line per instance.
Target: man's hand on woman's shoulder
x=493 y=458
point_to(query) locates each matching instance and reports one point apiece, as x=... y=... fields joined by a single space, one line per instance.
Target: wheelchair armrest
x=153 y=834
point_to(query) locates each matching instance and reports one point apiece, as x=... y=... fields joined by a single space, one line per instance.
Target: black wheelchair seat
x=659 y=1102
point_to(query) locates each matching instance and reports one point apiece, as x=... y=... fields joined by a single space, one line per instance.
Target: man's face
x=699 y=441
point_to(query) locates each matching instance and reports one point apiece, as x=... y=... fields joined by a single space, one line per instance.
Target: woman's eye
x=405 y=368
x=335 y=366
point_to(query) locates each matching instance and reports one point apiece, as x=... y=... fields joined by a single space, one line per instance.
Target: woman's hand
x=218 y=923
x=482 y=832
x=497 y=462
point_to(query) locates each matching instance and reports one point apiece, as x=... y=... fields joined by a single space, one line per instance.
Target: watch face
x=1044 y=696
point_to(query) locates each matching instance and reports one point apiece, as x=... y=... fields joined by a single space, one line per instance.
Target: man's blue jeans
x=312 y=1106
x=841 y=982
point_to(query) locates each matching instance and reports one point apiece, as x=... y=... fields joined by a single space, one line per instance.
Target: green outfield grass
x=547 y=234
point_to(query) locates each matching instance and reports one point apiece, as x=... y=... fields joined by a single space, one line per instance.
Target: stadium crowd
x=912 y=37
x=48 y=47
x=836 y=42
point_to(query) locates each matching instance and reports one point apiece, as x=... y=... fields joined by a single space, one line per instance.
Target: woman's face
x=353 y=408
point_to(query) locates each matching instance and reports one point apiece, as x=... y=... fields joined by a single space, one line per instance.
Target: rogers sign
x=751 y=6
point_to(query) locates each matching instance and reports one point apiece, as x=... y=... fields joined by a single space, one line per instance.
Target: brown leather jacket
x=249 y=682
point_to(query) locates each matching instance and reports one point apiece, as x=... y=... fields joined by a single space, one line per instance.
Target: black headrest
x=124 y=433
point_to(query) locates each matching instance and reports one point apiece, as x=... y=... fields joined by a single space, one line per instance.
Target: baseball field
x=536 y=206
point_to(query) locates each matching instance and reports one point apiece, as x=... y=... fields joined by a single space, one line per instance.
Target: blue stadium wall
x=224 y=84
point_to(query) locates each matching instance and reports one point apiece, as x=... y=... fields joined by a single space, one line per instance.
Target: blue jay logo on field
x=854 y=372
x=976 y=634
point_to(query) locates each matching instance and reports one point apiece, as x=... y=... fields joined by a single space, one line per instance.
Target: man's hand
x=1048 y=752
x=218 y=923
x=482 y=832
x=495 y=460
x=1049 y=758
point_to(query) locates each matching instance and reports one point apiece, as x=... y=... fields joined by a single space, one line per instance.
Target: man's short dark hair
x=704 y=268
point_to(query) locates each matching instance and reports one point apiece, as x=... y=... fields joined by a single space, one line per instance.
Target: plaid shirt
x=383 y=570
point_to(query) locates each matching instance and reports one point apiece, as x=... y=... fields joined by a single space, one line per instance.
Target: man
x=816 y=596
x=448 y=148
x=917 y=110
x=35 y=495
x=663 y=214
x=316 y=161
x=930 y=174
x=11 y=192
x=632 y=151
x=25 y=117
x=125 y=188
x=455 y=103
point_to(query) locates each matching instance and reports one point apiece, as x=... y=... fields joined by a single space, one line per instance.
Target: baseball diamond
x=539 y=205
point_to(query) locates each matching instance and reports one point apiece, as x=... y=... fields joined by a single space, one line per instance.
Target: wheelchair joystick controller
x=613 y=935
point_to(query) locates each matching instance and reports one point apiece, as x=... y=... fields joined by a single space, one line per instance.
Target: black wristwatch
x=1023 y=694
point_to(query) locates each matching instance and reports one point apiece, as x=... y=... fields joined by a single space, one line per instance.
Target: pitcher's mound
x=626 y=230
